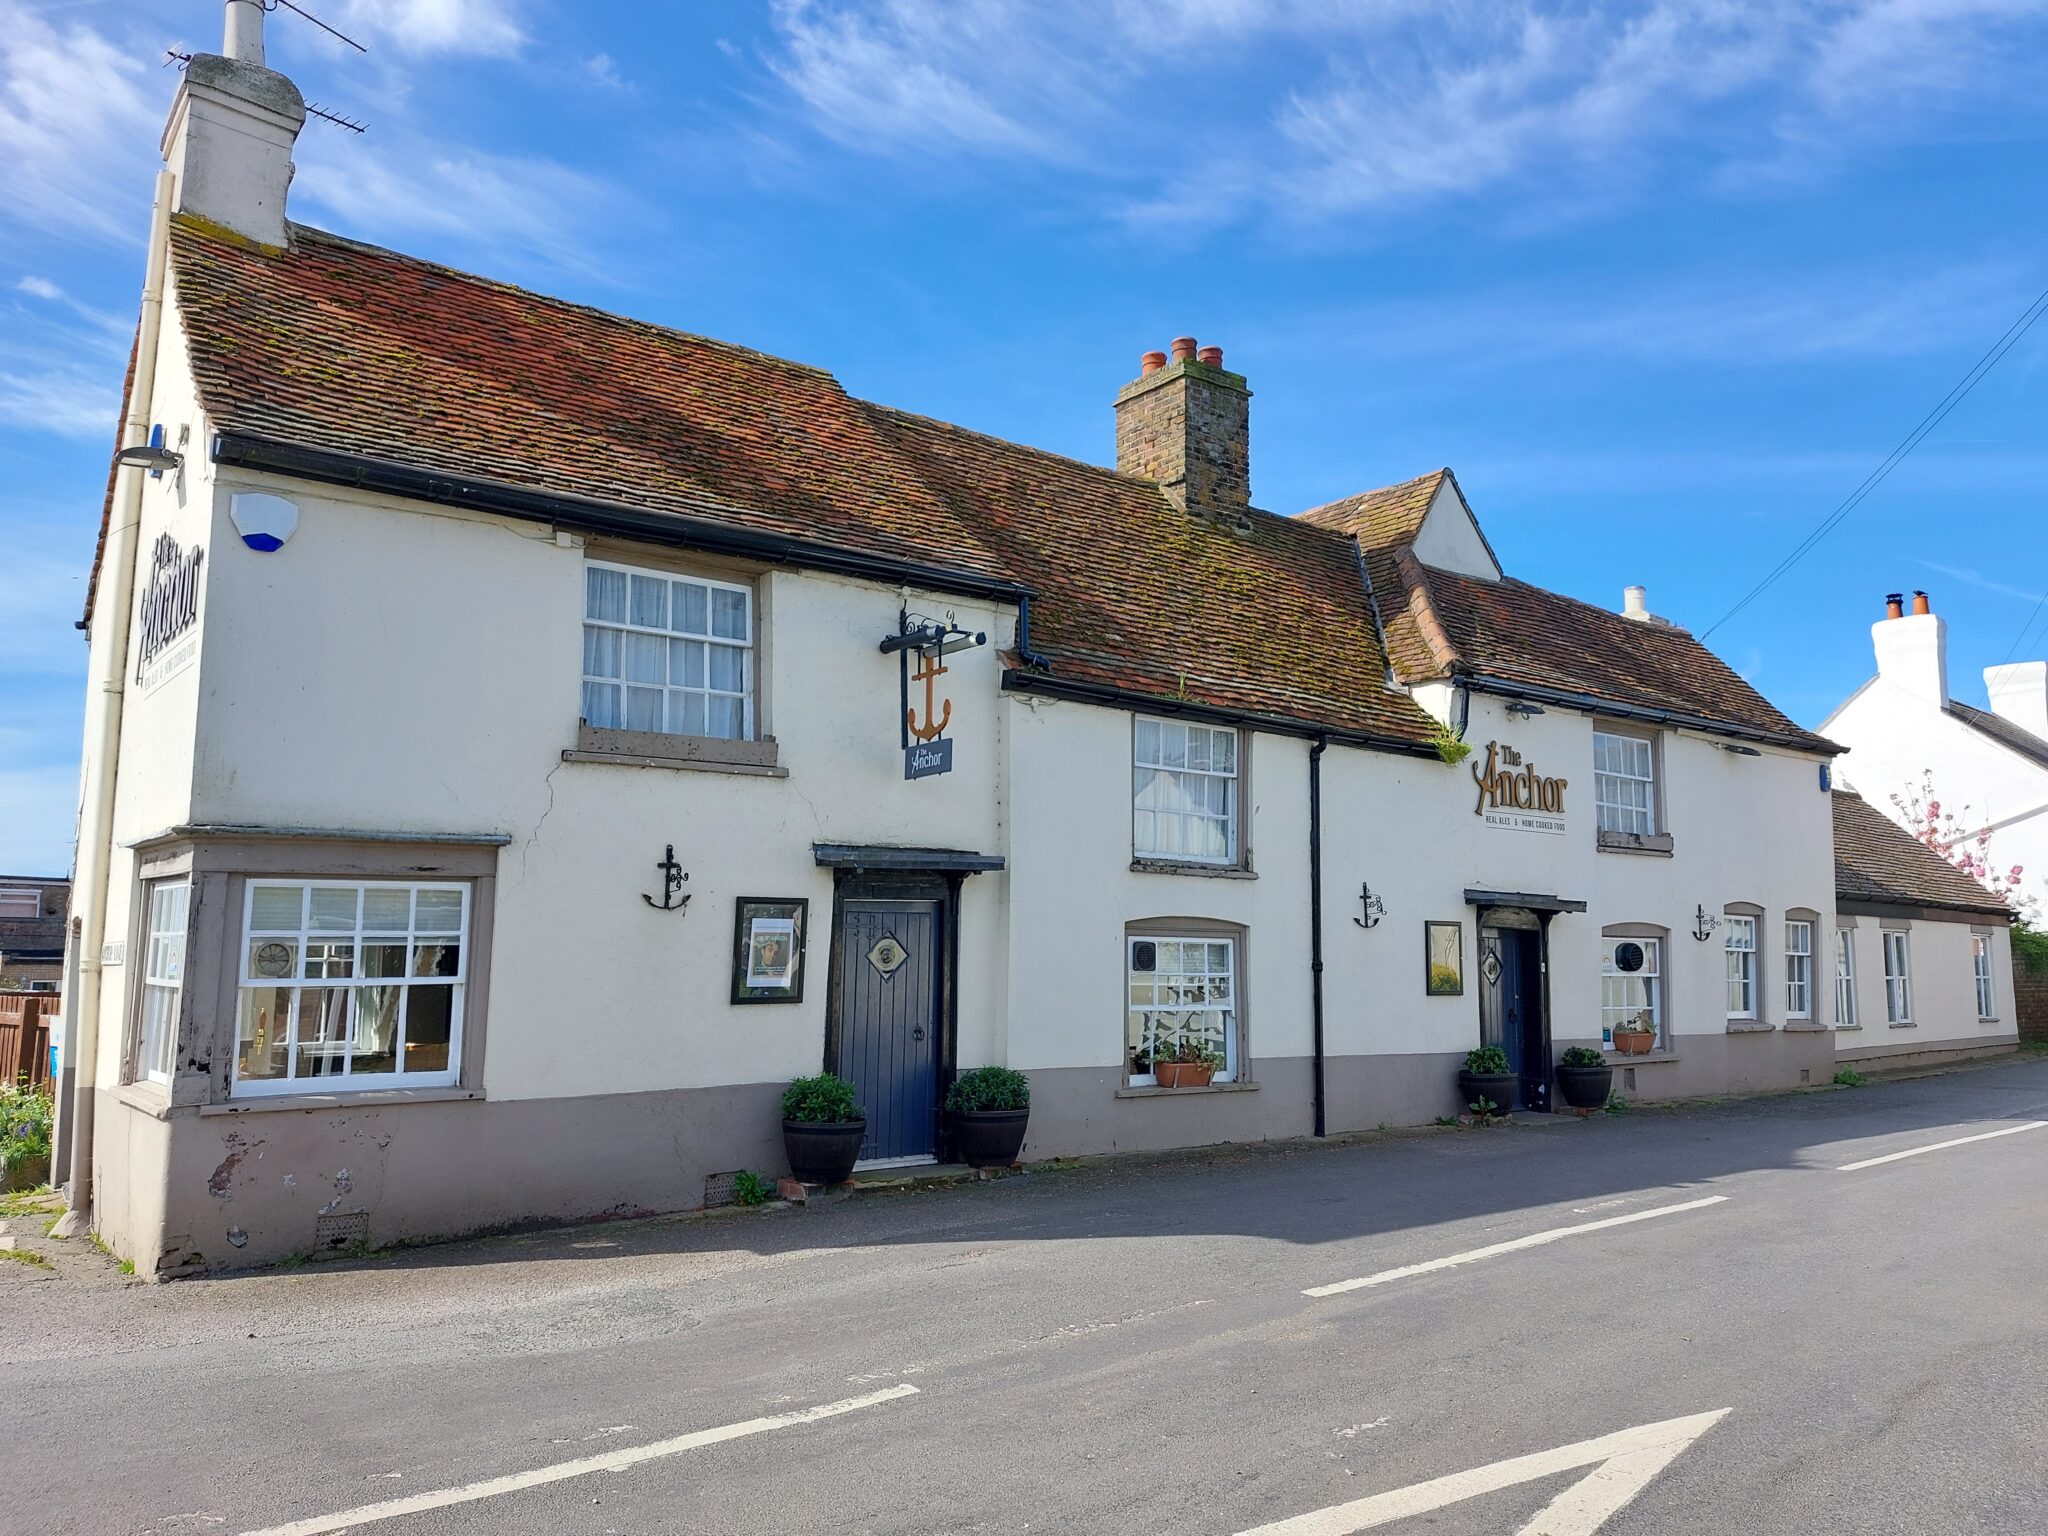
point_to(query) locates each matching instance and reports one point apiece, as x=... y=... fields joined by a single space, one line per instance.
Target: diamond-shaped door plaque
x=1490 y=969
x=887 y=955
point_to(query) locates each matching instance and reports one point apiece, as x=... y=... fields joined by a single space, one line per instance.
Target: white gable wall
x=1449 y=538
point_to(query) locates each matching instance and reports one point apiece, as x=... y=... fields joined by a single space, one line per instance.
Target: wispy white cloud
x=602 y=69
x=511 y=213
x=1193 y=107
x=78 y=126
x=1973 y=578
x=60 y=363
x=482 y=28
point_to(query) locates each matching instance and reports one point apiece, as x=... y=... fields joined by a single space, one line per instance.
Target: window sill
x=654 y=749
x=1647 y=1058
x=1806 y=1027
x=144 y=1098
x=1750 y=1027
x=1657 y=845
x=369 y=1098
x=1143 y=866
x=1848 y=1029
x=1990 y=1021
x=1182 y=1093
x=1909 y=1024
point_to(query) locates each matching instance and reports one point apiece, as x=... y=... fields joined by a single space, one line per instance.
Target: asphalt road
x=1129 y=1348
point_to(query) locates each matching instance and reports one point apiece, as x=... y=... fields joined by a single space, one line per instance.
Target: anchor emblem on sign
x=930 y=668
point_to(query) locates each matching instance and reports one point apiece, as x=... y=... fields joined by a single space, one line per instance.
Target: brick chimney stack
x=1187 y=424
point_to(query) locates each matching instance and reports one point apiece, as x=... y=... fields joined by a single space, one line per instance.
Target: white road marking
x=611 y=1461
x=1494 y=1250
x=1960 y=1141
x=1623 y=1465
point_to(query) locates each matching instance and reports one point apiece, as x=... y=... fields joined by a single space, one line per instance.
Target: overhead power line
x=2025 y=629
x=1897 y=456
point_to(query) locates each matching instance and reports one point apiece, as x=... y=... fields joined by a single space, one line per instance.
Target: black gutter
x=329 y=467
x=1025 y=654
x=1276 y=725
x=1315 y=916
x=1564 y=698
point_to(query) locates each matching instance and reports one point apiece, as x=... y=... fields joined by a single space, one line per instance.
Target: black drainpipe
x=1315 y=912
x=1025 y=654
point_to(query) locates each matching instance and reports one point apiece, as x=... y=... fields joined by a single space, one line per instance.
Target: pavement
x=1725 y=1318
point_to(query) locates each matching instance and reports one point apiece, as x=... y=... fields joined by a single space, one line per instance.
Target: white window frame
x=1898 y=976
x=1845 y=978
x=1741 y=964
x=167 y=910
x=1226 y=1009
x=674 y=694
x=29 y=899
x=299 y=983
x=1161 y=789
x=1614 y=787
x=1798 y=968
x=1982 y=972
x=1652 y=974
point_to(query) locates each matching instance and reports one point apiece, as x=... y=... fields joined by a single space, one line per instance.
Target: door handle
x=917 y=1033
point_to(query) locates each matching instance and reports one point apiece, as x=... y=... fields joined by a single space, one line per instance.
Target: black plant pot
x=989 y=1138
x=1498 y=1087
x=823 y=1151
x=1585 y=1087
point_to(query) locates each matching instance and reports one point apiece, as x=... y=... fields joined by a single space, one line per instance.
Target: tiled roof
x=345 y=348
x=1440 y=623
x=1268 y=618
x=24 y=937
x=2002 y=731
x=1383 y=519
x=1878 y=860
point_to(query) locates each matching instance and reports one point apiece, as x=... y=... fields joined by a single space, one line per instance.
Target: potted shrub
x=822 y=1129
x=1185 y=1064
x=990 y=1107
x=1584 y=1077
x=1635 y=1037
x=1487 y=1079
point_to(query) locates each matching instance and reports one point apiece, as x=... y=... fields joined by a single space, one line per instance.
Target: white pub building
x=522 y=739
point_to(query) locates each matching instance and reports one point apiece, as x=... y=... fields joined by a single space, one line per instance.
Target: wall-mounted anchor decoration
x=1703 y=926
x=672 y=878
x=1375 y=909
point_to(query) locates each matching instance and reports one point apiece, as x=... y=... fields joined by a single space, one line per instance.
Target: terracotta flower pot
x=1634 y=1042
x=1182 y=1074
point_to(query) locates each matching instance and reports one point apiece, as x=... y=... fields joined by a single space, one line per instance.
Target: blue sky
x=1661 y=280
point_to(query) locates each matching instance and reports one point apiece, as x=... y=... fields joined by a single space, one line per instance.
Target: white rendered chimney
x=232 y=128
x=1635 y=604
x=2019 y=693
x=1912 y=650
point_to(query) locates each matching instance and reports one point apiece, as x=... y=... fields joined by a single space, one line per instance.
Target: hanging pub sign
x=927 y=749
x=1513 y=794
x=170 y=612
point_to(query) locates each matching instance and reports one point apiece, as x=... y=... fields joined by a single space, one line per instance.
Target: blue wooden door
x=889 y=1022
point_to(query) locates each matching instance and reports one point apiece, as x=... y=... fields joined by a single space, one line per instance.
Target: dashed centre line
x=1939 y=1146
x=610 y=1461
x=1514 y=1245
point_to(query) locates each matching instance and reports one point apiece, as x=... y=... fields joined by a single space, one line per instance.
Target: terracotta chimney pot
x=1920 y=603
x=1183 y=348
x=1895 y=605
x=1213 y=356
x=1151 y=362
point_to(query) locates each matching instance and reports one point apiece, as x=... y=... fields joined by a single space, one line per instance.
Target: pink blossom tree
x=1946 y=830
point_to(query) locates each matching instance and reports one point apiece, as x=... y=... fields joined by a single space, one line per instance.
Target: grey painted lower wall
x=1748 y=1061
x=1908 y=1052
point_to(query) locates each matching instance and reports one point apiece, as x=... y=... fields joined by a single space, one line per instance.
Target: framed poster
x=768 y=941
x=1444 y=955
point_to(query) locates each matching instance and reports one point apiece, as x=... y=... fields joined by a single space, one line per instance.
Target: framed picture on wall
x=1444 y=956
x=768 y=942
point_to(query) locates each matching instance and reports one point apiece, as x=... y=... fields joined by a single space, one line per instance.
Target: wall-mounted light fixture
x=1733 y=750
x=1524 y=708
x=152 y=456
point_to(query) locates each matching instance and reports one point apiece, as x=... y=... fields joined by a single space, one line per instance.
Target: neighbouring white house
x=1921 y=953
x=1903 y=730
x=521 y=739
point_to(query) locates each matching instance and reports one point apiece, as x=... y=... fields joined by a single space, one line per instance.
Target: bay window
x=667 y=654
x=1845 y=978
x=1898 y=977
x=1180 y=994
x=1185 y=792
x=167 y=906
x=1798 y=968
x=1980 y=968
x=350 y=984
x=1740 y=949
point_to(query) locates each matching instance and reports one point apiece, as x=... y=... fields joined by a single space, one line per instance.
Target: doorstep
x=877 y=1181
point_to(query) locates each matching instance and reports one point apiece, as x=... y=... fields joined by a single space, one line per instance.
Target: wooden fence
x=25 y=1036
